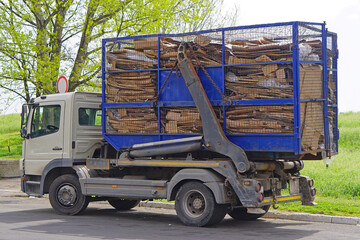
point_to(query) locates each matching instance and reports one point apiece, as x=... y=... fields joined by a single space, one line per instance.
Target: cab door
x=45 y=141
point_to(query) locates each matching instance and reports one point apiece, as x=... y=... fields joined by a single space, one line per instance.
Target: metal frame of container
x=273 y=144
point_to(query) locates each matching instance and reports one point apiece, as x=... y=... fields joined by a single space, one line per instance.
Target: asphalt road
x=32 y=218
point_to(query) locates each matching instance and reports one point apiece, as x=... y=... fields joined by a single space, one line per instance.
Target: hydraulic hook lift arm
x=214 y=136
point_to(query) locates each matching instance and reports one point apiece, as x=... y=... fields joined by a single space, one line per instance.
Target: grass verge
x=326 y=205
x=10 y=136
x=338 y=185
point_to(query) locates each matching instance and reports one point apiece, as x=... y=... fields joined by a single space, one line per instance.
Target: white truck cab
x=59 y=126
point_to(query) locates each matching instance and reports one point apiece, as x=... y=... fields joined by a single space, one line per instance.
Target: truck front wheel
x=65 y=195
x=196 y=206
x=123 y=204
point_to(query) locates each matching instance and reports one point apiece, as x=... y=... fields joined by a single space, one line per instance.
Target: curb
x=306 y=217
x=314 y=218
x=9 y=168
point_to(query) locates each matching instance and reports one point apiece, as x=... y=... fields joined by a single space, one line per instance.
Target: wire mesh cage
x=310 y=42
x=270 y=81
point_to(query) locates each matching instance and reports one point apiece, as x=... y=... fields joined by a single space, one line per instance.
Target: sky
x=342 y=17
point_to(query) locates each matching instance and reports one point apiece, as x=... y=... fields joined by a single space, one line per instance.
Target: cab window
x=46 y=120
x=89 y=117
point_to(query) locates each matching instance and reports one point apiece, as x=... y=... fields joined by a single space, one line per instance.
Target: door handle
x=57 y=148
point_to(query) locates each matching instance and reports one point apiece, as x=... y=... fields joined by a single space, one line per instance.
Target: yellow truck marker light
x=282 y=199
x=247 y=183
x=114 y=186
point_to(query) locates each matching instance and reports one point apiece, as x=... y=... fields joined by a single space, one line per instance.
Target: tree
x=40 y=40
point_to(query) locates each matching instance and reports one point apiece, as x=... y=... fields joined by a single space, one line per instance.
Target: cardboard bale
x=181 y=120
x=312 y=125
x=146 y=43
x=256 y=86
x=131 y=86
x=311 y=85
x=132 y=120
x=260 y=119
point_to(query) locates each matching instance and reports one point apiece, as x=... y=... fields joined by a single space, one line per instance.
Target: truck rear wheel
x=242 y=214
x=123 y=204
x=196 y=206
x=65 y=195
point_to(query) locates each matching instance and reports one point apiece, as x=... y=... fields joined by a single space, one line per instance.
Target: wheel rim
x=194 y=203
x=67 y=195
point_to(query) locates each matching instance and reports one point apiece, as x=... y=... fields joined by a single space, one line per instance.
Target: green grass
x=327 y=206
x=338 y=186
x=10 y=133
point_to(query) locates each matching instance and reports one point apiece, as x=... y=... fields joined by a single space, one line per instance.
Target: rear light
x=313 y=192
x=258 y=187
x=261 y=197
x=23 y=178
x=311 y=183
x=247 y=183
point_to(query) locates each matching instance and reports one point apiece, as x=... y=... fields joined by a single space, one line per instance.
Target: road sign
x=62 y=85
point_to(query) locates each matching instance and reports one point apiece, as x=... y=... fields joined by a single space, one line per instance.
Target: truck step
x=33 y=183
x=126 y=188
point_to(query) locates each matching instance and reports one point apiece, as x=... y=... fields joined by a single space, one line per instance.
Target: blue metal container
x=279 y=81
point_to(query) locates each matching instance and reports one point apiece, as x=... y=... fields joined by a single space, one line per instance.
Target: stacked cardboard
x=181 y=120
x=245 y=87
x=207 y=53
x=131 y=86
x=133 y=120
x=130 y=59
x=260 y=119
x=312 y=126
x=311 y=85
x=258 y=78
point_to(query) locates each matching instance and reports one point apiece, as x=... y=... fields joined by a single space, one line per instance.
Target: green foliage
x=41 y=40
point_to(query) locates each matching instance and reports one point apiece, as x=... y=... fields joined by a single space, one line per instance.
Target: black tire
x=196 y=206
x=123 y=204
x=242 y=214
x=65 y=195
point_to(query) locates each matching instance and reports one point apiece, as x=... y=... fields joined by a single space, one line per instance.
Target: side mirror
x=24 y=116
x=23 y=133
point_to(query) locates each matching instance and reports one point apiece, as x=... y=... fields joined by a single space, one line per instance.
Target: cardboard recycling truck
x=219 y=121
